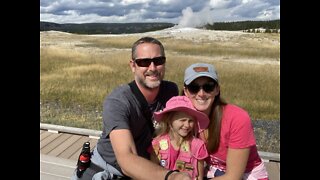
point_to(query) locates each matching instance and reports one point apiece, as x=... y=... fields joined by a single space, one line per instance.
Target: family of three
x=152 y=132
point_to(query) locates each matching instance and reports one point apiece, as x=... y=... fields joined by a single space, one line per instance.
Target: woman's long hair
x=214 y=128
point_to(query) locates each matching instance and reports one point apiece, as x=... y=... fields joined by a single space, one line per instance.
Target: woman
x=229 y=137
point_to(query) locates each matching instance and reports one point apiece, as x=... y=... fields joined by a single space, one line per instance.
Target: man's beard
x=152 y=85
x=149 y=84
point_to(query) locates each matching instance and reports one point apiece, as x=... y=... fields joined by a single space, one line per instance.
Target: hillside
x=129 y=28
x=104 y=28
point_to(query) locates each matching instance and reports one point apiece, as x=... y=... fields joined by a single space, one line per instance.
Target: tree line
x=247 y=26
x=127 y=28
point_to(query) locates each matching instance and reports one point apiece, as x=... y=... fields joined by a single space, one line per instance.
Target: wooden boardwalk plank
x=72 y=152
x=44 y=135
x=75 y=156
x=93 y=143
x=54 y=168
x=55 y=143
x=64 y=145
x=48 y=139
x=273 y=170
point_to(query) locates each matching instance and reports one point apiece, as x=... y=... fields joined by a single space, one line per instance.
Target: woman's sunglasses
x=145 y=62
x=195 y=88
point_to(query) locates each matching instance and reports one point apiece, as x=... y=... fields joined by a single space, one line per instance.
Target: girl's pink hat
x=183 y=103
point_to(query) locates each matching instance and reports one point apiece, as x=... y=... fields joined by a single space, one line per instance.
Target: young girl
x=175 y=147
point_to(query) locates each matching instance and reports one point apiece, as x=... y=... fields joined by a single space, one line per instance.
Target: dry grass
x=78 y=71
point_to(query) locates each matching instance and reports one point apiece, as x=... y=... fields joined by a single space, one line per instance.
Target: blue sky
x=186 y=13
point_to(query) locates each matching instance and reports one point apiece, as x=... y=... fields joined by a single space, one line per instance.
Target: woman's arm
x=236 y=164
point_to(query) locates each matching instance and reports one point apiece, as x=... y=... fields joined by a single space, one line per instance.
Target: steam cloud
x=195 y=19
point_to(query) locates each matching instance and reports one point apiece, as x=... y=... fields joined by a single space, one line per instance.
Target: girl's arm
x=154 y=158
x=200 y=169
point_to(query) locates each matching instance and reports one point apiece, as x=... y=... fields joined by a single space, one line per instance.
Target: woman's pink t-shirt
x=236 y=132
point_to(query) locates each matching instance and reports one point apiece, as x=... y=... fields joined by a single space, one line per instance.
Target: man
x=128 y=125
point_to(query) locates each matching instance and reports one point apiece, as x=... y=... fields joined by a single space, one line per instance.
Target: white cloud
x=271 y=13
x=220 y=4
x=184 y=12
x=129 y=2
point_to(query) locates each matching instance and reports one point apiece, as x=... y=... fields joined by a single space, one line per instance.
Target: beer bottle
x=84 y=159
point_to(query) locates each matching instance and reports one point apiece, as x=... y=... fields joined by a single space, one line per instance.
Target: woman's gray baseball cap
x=199 y=70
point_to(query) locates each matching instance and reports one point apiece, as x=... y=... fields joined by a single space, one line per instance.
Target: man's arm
x=135 y=166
